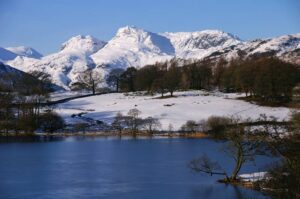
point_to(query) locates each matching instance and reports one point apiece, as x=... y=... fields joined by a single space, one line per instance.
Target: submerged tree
x=242 y=146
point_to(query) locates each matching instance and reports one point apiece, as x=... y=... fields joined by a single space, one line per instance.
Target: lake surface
x=115 y=168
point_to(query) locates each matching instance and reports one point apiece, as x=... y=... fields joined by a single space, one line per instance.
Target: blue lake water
x=115 y=168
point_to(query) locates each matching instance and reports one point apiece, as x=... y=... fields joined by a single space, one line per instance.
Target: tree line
x=163 y=78
x=267 y=79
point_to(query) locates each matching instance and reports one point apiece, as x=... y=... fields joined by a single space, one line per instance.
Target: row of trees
x=268 y=79
x=265 y=78
x=133 y=123
x=166 y=77
x=160 y=78
x=23 y=116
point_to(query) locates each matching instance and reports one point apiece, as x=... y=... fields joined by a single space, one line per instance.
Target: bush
x=27 y=123
x=217 y=125
x=190 y=126
x=81 y=127
x=51 y=122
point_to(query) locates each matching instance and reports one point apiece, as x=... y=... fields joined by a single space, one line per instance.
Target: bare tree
x=205 y=165
x=172 y=78
x=119 y=122
x=89 y=79
x=133 y=120
x=170 y=129
x=151 y=124
x=159 y=86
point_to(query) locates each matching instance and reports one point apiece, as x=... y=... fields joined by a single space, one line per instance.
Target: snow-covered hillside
x=192 y=105
x=136 y=47
x=13 y=79
x=5 y=69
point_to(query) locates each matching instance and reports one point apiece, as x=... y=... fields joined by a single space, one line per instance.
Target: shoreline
x=58 y=136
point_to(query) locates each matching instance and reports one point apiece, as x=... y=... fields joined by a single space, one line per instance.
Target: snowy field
x=190 y=105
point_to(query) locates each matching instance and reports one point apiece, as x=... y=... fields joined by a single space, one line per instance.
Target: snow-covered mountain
x=136 y=47
x=285 y=47
x=25 y=51
x=65 y=65
x=198 y=45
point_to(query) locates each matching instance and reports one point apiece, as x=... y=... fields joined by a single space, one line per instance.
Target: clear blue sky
x=45 y=24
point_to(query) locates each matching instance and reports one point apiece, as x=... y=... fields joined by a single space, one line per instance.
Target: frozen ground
x=190 y=105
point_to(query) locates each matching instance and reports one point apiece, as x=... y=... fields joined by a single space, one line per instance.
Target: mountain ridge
x=132 y=46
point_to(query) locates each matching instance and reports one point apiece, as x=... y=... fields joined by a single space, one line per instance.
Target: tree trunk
x=117 y=85
x=93 y=87
x=238 y=164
